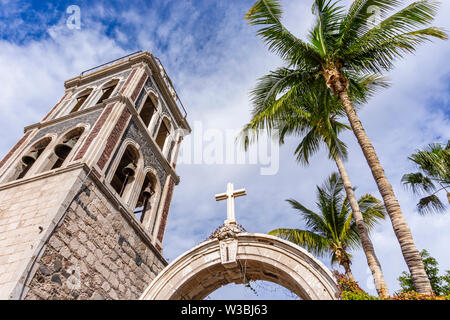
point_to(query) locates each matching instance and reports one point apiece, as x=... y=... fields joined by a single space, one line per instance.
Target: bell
x=147 y=193
x=30 y=158
x=129 y=170
x=62 y=150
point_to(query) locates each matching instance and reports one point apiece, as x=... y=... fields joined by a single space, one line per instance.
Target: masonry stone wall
x=95 y=253
x=26 y=213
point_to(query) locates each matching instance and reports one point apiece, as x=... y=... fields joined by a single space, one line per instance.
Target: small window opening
x=163 y=133
x=107 y=91
x=147 y=111
x=143 y=204
x=125 y=172
x=80 y=101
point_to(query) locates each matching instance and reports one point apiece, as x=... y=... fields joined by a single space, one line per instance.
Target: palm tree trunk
x=348 y=271
x=369 y=251
x=338 y=84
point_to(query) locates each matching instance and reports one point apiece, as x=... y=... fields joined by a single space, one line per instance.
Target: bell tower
x=85 y=193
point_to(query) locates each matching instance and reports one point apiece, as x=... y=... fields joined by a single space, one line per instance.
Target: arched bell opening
x=126 y=171
x=65 y=147
x=145 y=204
x=28 y=160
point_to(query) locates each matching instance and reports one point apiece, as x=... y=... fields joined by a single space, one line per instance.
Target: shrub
x=350 y=290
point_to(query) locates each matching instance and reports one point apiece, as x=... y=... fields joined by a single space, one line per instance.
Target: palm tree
x=342 y=43
x=434 y=166
x=313 y=114
x=332 y=231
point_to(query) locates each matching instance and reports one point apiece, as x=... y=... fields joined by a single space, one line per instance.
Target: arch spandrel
x=203 y=269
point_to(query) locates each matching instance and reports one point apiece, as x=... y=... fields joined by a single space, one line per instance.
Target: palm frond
x=364 y=86
x=267 y=13
x=409 y=19
x=418 y=183
x=312 y=220
x=313 y=242
x=380 y=56
x=430 y=204
x=434 y=161
x=328 y=15
x=372 y=210
x=356 y=20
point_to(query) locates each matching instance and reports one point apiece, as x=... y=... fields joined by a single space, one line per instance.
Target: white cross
x=229 y=196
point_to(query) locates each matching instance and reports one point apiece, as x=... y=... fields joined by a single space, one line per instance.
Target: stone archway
x=239 y=257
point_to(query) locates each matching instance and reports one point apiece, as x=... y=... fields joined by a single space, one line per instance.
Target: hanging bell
x=62 y=150
x=147 y=193
x=129 y=170
x=30 y=158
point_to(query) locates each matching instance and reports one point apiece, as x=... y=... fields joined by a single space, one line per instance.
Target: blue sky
x=214 y=59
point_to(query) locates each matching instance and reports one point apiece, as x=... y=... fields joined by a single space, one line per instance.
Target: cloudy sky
x=214 y=59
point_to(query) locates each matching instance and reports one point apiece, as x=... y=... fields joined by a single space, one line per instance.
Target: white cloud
x=214 y=79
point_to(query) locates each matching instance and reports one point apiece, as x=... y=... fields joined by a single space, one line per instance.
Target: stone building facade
x=85 y=193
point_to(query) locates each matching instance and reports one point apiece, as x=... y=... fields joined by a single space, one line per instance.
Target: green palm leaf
x=333 y=225
x=314 y=243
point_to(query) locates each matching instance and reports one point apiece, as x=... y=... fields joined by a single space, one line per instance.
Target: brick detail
x=94 y=132
x=94 y=254
x=128 y=81
x=16 y=146
x=165 y=213
x=138 y=87
x=96 y=173
x=114 y=138
x=56 y=105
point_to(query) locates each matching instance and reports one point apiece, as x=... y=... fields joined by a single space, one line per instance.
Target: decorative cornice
x=152 y=68
x=43 y=124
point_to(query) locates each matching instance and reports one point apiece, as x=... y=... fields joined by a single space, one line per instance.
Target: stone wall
x=27 y=210
x=95 y=253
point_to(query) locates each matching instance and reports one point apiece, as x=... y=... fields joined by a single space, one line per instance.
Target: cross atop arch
x=229 y=196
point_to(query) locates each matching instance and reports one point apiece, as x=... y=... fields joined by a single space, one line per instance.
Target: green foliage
x=433 y=177
x=332 y=230
x=439 y=284
x=412 y=295
x=350 y=290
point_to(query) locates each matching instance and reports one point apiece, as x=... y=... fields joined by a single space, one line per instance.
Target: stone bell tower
x=85 y=193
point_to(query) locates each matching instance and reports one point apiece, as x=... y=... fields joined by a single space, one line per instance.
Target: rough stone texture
x=94 y=254
x=25 y=215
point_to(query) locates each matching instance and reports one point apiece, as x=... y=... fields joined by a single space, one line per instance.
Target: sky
x=214 y=59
